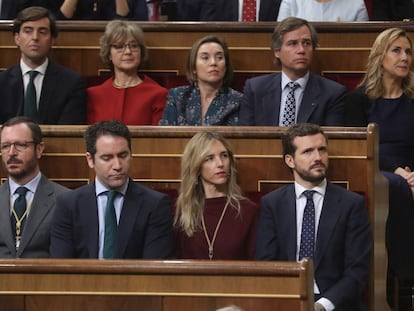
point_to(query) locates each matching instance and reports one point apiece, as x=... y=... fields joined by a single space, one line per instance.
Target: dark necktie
x=249 y=11
x=18 y=216
x=111 y=227
x=289 y=112
x=307 y=240
x=30 y=103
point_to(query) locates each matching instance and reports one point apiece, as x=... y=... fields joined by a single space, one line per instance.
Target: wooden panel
x=155 y=285
x=343 y=46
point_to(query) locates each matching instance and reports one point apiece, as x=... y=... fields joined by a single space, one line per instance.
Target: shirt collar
x=321 y=189
x=31 y=185
x=41 y=69
x=301 y=81
x=100 y=188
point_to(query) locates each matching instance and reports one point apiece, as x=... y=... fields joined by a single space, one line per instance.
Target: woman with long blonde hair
x=386 y=97
x=213 y=220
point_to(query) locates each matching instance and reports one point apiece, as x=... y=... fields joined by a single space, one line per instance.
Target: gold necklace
x=211 y=243
x=124 y=86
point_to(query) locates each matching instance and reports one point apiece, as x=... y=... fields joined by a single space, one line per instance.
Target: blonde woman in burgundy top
x=213 y=220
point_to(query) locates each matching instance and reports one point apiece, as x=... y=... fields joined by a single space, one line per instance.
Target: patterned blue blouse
x=184 y=107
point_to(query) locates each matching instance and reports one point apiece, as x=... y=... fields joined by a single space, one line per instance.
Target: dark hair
x=109 y=127
x=287 y=25
x=192 y=58
x=37 y=135
x=34 y=13
x=298 y=130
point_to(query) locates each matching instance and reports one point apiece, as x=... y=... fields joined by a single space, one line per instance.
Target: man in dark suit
x=10 y=8
x=230 y=10
x=141 y=217
x=26 y=234
x=316 y=99
x=60 y=95
x=340 y=239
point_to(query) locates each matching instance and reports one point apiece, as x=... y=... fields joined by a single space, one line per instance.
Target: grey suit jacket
x=321 y=103
x=35 y=240
x=343 y=244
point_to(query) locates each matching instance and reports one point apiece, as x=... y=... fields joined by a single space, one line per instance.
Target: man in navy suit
x=143 y=216
x=341 y=238
x=60 y=92
x=230 y=10
x=318 y=100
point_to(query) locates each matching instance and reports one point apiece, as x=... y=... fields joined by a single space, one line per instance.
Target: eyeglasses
x=18 y=145
x=121 y=47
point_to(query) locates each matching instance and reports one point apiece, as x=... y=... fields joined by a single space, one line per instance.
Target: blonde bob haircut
x=191 y=199
x=117 y=31
x=372 y=81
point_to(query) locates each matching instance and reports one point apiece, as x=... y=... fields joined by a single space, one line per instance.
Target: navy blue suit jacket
x=62 y=100
x=228 y=10
x=105 y=10
x=343 y=245
x=145 y=225
x=321 y=103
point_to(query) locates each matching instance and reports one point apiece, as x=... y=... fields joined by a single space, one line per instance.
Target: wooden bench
x=156 y=162
x=43 y=285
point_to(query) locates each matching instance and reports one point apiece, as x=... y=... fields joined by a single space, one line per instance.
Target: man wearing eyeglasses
x=27 y=198
x=38 y=88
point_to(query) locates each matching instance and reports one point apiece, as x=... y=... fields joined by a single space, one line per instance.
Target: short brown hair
x=298 y=130
x=287 y=25
x=34 y=13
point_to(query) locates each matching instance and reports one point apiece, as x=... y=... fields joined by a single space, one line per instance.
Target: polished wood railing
x=43 y=284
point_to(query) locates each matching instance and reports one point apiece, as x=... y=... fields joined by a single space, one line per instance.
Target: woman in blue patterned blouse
x=208 y=100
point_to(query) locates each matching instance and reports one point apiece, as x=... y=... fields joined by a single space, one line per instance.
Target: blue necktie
x=111 y=227
x=289 y=111
x=307 y=240
x=30 y=102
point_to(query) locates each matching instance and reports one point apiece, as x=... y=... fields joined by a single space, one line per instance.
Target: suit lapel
x=130 y=209
x=42 y=204
x=17 y=88
x=5 y=222
x=309 y=100
x=290 y=225
x=89 y=219
x=327 y=222
x=271 y=100
x=48 y=87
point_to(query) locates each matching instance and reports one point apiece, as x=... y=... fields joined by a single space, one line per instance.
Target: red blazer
x=139 y=105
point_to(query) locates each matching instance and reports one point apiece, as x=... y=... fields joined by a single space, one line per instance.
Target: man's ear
x=89 y=159
x=39 y=149
x=290 y=161
x=276 y=53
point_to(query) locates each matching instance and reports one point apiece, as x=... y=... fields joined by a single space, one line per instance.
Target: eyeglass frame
x=121 y=48
x=19 y=146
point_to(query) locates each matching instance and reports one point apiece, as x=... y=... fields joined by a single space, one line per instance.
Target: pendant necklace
x=19 y=224
x=211 y=243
